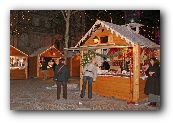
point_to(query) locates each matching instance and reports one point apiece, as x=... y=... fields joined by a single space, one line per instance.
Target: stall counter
x=117 y=86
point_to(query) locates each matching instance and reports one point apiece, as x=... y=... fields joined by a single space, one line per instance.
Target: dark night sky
x=149 y=18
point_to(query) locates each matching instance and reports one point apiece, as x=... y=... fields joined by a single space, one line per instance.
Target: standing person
x=127 y=63
x=105 y=65
x=89 y=74
x=62 y=76
x=152 y=86
x=55 y=63
x=44 y=68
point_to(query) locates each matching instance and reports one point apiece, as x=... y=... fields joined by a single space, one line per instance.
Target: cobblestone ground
x=37 y=94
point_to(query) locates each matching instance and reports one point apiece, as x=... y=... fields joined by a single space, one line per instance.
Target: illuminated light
x=23 y=18
x=96 y=39
x=122 y=17
x=14 y=18
x=28 y=11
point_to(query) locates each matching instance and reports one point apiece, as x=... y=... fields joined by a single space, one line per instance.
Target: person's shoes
x=150 y=104
x=82 y=96
x=54 y=86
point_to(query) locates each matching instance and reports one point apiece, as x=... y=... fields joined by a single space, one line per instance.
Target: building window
x=104 y=39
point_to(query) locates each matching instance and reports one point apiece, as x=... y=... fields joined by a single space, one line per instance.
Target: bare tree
x=67 y=14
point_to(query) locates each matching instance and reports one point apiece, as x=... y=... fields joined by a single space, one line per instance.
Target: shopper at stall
x=61 y=76
x=44 y=69
x=105 y=65
x=89 y=74
x=127 y=63
x=55 y=63
x=152 y=86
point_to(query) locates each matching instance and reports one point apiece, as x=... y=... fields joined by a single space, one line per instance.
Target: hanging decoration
x=88 y=56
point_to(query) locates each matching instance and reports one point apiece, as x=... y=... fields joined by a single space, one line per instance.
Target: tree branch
x=63 y=15
x=74 y=11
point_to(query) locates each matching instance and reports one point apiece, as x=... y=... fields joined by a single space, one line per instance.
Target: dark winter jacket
x=152 y=85
x=53 y=66
x=106 y=65
x=44 y=66
x=63 y=74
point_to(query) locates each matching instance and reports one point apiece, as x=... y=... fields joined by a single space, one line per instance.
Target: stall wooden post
x=26 y=68
x=136 y=72
x=81 y=69
x=38 y=66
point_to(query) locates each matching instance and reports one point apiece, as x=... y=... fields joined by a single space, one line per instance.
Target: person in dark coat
x=127 y=63
x=61 y=76
x=53 y=66
x=152 y=85
x=44 y=68
x=105 y=65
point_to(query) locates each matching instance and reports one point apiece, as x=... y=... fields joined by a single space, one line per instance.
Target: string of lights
x=22 y=20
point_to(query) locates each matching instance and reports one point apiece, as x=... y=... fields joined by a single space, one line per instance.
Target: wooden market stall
x=48 y=53
x=18 y=64
x=128 y=87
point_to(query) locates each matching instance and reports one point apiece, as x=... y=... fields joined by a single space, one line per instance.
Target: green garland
x=88 y=56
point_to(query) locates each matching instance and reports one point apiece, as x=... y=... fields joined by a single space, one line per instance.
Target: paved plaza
x=38 y=94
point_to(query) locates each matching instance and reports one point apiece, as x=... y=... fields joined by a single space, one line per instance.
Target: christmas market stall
x=50 y=54
x=116 y=43
x=18 y=64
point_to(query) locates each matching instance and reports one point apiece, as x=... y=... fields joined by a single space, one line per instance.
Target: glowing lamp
x=96 y=40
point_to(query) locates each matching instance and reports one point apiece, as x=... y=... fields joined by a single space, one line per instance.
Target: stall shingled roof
x=14 y=53
x=42 y=50
x=123 y=31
